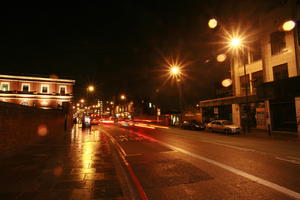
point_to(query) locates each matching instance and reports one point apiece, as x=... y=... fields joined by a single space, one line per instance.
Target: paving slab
x=76 y=165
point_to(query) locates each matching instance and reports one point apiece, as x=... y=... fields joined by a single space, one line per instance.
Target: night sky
x=120 y=46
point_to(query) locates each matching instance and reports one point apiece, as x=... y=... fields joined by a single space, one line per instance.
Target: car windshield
x=227 y=122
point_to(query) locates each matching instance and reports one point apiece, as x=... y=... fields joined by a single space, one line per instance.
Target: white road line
x=251 y=177
x=289 y=160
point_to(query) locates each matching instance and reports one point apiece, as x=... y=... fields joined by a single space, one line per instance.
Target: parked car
x=193 y=125
x=224 y=126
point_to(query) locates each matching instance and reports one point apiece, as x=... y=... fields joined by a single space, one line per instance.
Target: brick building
x=36 y=91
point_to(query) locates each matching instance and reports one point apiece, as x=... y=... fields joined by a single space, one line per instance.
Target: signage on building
x=216 y=110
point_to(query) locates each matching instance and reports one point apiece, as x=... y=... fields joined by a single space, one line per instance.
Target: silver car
x=222 y=126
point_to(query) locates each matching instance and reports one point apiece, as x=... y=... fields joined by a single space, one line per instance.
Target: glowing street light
x=91 y=88
x=123 y=97
x=212 y=23
x=81 y=100
x=235 y=42
x=174 y=70
x=288 y=25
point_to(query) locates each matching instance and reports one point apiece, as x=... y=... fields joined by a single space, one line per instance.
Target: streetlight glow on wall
x=288 y=25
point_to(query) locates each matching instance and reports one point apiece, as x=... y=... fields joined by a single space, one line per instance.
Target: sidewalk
x=272 y=135
x=77 y=165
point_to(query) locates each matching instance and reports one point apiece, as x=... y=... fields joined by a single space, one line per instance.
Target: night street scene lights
x=175 y=71
x=123 y=97
x=91 y=88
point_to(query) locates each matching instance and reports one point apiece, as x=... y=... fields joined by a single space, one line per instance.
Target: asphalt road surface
x=182 y=164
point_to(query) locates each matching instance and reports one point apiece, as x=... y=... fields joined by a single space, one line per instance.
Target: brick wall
x=24 y=125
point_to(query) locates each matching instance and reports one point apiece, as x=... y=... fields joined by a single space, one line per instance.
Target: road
x=182 y=164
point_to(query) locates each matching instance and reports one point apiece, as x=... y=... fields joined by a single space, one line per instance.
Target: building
x=266 y=82
x=36 y=91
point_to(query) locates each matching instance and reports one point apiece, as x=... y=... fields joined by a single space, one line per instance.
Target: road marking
x=122 y=154
x=294 y=158
x=230 y=146
x=251 y=177
x=289 y=160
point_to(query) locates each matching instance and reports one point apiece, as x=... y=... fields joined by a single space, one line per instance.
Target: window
x=255 y=53
x=277 y=42
x=257 y=79
x=62 y=90
x=243 y=84
x=280 y=72
x=25 y=87
x=45 y=89
x=4 y=87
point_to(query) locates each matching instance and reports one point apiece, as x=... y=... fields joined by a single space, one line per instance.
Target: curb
x=129 y=183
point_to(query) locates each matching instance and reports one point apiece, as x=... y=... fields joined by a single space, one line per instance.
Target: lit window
x=25 y=87
x=62 y=90
x=45 y=88
x=4 y=87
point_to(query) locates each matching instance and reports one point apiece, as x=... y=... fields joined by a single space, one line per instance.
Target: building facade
x=36 y=91
x=266 y=81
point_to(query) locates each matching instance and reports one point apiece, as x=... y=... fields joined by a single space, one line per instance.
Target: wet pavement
x=78 y=165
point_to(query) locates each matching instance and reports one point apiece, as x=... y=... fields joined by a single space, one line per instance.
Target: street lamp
x=175 y=71
x=81 y=100
x=123 y=97
x=90 y=88
x=237 y=43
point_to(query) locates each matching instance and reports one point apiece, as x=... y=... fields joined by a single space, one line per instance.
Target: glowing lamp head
x=235 y=42
x=81 y=100
x=174 y=70
x=91 y=88
x=123 y=97
x=288 y=25
x=212 y=23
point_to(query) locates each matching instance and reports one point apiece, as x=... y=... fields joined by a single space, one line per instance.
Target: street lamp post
x=176 y=73
x=236 y=43
x=123 y=98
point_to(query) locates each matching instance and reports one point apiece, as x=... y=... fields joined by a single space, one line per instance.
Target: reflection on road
x=85 y=141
